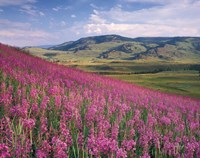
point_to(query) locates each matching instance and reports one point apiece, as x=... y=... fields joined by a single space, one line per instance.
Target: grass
x=185 y=83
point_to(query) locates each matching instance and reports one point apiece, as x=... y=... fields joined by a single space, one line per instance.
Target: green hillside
x=117 y=54
x=115 y=47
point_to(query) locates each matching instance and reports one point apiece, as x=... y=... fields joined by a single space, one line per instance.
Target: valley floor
x=185 y=83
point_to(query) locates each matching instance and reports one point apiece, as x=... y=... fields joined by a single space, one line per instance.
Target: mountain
x=124 y=48
x=84 y=43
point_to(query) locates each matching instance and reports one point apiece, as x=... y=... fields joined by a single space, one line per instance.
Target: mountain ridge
x=125 y=48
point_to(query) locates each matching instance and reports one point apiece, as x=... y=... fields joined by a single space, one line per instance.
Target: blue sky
x=41 y=22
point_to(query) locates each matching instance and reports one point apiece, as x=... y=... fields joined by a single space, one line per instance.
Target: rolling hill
x=88 y=42
x=116 y=47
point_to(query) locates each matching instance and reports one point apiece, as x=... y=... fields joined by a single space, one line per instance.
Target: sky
x=44 y=22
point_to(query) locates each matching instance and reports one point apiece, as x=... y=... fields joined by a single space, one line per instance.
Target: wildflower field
x=49 y=110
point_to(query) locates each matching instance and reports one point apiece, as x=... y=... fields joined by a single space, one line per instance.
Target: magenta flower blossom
x=58 y=101
x=41 y=154
x=4 y=151
x=44 y=150
x=43 y=126
x=121 y=153
x=28 y=123
x=165 y=120
x=59 y=148
x=19 y=111
x=129 y=145
x=44 y=102
x=34 y=93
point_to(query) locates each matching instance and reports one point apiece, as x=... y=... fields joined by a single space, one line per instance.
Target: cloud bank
x=16 y=2
x=175 y=18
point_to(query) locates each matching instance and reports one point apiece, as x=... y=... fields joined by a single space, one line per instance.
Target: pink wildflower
x=121 y=153
x=4 y=151
x=28 y=123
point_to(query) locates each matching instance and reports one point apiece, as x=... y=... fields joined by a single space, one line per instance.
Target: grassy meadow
x=185 y=83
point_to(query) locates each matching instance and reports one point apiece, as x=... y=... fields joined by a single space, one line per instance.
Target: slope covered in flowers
x=48 y=110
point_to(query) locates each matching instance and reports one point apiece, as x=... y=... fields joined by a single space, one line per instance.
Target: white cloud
x=4 y=23
x=56 y=9
x=17 y=37
x=41 y=13
x=171 y=19
x=145 y=1
x=16 y=2
x=31 y=10
x=160 y=1
x=25 y=37
x=95 y=6
x=138 y=30
x=96 y=18
x=73 y=16
x=151 y=15
x=16 y=33
x=26 y=6
x=63 y=23
x=21 y=34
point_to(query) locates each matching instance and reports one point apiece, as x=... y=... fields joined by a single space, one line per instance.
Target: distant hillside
x=116 y=47
x=85 y=43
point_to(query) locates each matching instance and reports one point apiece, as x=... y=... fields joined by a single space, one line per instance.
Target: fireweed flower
x=34 y=108
x=44 y=102
x=34 y=93
x=59 y=148
x=4 y=151
x=5 y=132
x=6 y=98
x=44 y=150
x=80 y=139
x=115 y=131
x=43 y=125
x=165 y=120
x=191 y=148
x=18 y=111
x=106 y=145
x=121 y=153
x=92 y=146
x=41 y=154
x=58 y=101
x=54 y=90
x=132 y=133
x=65 y=134
x=22 y=149
x=129 y=145
x=28 y=123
